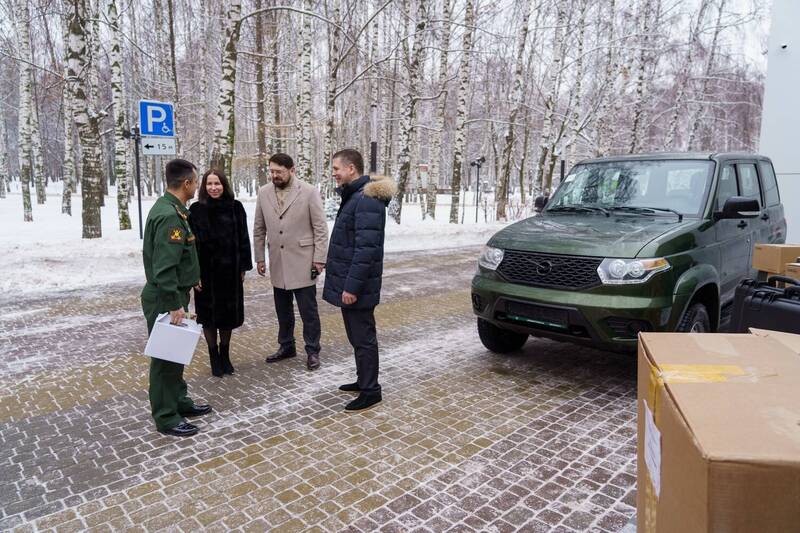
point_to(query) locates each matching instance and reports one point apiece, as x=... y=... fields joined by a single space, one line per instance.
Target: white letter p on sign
x=155 y=114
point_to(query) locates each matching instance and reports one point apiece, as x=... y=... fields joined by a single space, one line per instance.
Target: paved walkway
x=465 y=440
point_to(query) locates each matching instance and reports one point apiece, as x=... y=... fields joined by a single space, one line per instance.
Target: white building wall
x=780 y=121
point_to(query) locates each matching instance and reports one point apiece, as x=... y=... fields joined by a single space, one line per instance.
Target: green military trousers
x=168 y=392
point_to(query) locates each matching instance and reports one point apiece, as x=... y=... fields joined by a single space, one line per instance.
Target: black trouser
x=284 y=307
x=360 y=327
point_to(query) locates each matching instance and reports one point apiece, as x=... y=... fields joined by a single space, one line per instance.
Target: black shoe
x=313 y=361
x=280 y=355
x=184 y=429
x=216 y=361
x=197 y=410
x=225 y=356
x=364 y=401
x=350 y=387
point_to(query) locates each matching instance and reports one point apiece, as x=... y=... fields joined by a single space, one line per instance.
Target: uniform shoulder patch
x=176 y=235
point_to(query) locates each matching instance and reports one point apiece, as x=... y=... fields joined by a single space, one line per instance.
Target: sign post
x=156 y=130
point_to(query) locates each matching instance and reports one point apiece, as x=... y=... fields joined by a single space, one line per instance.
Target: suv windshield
x=656 y=186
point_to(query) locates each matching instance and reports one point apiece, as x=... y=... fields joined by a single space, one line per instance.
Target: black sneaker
x=365 y=400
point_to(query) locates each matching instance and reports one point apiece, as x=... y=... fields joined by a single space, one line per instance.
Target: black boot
x=225 y=355
x=365 y=400
x=216 y=361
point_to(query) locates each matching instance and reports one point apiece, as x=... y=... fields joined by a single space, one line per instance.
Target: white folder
x=173 y=343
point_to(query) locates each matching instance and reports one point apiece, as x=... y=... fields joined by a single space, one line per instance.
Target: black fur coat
x=223 y=248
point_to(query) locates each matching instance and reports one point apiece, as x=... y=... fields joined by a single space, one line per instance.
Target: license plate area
x=538 y=314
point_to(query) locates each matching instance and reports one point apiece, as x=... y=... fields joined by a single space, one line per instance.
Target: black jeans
x=360 y=327
x=307 y=303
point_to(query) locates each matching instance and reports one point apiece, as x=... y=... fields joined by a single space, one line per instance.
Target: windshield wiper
x=639 y=209
x=578 y=209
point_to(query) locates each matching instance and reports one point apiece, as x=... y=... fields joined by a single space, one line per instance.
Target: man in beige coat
x=289 y=216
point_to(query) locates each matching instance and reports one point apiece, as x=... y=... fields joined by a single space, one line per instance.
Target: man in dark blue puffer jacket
x=355 y=266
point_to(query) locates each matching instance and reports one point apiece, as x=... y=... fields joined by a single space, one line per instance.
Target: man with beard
x=290 y=217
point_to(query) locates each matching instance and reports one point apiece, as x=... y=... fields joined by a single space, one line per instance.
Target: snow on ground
x=50 y=255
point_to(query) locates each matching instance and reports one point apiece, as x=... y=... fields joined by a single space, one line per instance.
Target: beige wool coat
x=296 y=236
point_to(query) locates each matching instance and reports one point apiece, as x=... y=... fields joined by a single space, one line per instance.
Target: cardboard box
x=719 y=433
x=790 y=340
x=773 y=257
x=173 y=343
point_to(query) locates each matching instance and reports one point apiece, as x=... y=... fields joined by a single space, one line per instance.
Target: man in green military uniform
x=172 y=269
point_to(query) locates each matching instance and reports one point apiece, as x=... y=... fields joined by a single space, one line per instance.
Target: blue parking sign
x=156 y=118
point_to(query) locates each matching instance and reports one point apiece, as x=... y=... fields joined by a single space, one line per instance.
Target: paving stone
x=465 y=440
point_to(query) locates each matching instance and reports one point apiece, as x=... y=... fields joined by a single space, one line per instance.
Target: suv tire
x=695 y=320
x=499 y=340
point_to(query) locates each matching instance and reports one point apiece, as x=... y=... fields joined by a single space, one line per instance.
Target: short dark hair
x=353 y=157
x=283 y=160
x=202 y=193
x=178 y=171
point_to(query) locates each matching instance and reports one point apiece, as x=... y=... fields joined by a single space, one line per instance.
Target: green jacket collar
x=171 y=198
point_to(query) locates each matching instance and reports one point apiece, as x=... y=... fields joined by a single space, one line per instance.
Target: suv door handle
x=765 y=216
x=742 y=224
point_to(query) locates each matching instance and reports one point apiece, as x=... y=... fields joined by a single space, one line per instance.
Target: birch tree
x=550 y=91
x=700 y=108
x=225 y=129
x=683 y=75
x=459 y=145
x=3 y=159
x=609 y=85
x=68 y=179
x=305 y=163
x=120 y=119
x=437 y=148
x=642 y=64
x=25 y=108
x=516 y=104
x=334 y=62
x=86 y=119
x=409 y=109
x=262 y=170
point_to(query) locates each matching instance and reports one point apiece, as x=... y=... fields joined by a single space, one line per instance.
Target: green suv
x=650 y=242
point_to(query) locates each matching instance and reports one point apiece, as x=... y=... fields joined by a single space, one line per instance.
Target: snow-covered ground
x=50 y=255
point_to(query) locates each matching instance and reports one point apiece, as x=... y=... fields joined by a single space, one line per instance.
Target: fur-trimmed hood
x=381 y=188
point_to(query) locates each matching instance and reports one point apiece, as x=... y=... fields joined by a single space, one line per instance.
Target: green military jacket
x=169 y=252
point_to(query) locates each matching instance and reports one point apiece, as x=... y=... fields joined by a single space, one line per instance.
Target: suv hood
x=587 y=235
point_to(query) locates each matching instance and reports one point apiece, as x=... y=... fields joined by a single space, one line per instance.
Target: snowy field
x=50 y=255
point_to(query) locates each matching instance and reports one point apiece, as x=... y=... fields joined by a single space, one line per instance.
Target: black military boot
x=216 y=361
x=225 y=355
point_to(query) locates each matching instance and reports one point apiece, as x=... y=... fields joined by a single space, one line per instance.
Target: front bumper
x=607 y=317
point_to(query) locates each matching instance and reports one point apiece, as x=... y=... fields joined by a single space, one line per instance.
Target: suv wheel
x=695 y=320
x=499 y=340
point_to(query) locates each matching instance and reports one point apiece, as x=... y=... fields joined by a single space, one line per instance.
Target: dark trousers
x=168 y=392
x=360 y=327
x=307 y=304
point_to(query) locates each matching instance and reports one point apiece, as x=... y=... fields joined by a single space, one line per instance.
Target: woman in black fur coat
x=219 y=223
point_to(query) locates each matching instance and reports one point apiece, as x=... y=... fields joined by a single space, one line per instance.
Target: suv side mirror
x=739 y=207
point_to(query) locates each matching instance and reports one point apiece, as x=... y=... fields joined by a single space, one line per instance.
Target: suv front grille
x=548 y=270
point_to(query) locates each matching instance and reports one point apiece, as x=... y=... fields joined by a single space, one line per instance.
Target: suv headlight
x=627 y=271
x=490 y=258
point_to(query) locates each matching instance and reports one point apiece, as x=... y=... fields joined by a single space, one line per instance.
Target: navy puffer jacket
x=355 y=252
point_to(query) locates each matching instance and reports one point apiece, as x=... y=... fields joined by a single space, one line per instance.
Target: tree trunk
x=262 y=170
x=516 y=104
x=3 y=159
x=609 y=85
x=699 y=111
x=86 y=119
x=120 y=120
x=683 y=76
x=459 y=145
x=25 y=108
x=305 y=163
x=437 y=146
x=551 y=100
x=174 y=72
x=224 y=129
x=330 y=97
x=68 y=180
x=409 y=111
